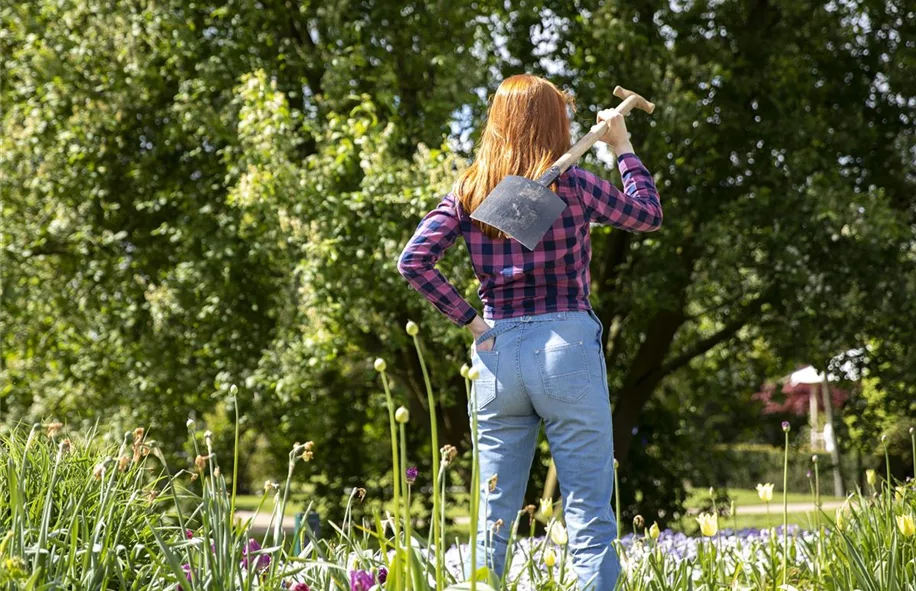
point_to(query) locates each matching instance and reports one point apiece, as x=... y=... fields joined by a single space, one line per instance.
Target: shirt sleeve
x=437 y=231
x=637 y=208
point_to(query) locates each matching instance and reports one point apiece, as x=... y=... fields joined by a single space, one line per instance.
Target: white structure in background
x=811 y=377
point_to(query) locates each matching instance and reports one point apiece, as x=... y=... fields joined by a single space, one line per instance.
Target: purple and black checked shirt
x=554 y=277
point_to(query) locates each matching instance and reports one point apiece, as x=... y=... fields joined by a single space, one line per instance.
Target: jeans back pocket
x=485 y=386
x=564 y=371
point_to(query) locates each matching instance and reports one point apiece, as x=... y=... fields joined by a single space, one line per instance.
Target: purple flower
x=300 y=587
x=260 y=562
x=188 y=534
x=187 y=572
x=412 y=473
x=361 y=580
x=382 y=575
x=785 y=426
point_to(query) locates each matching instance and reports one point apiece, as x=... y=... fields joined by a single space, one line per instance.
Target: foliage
x=196 y=195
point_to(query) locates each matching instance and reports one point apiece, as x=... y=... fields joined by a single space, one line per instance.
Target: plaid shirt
x=554 y=277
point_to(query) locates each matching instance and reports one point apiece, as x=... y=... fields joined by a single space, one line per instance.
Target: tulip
x=709 y=524
x=547 y=508
x=906 y=525
x=871 y=477
x=654 y=532
x=550 y=558
x=765 y=492
x=558 y=534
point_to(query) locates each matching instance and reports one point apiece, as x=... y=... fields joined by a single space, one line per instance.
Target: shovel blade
x=522 y=208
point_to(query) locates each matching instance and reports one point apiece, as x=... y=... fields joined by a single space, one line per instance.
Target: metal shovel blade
x=522 y=208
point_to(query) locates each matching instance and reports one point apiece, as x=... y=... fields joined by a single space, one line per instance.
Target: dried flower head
x=54 y=428
x=491 y=482
x=99 y=471
x=449 y=453
x=123 y=462
x=361 y=493
x=497 y=525
x=138 y=434
x=66 y=445
x=639 y=522
x=270 y=485
x=307 y=451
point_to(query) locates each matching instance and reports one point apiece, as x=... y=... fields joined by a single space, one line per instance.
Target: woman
x=538 y=346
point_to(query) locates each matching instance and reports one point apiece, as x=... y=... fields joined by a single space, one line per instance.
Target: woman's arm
x=417 y=264
x=638 y=207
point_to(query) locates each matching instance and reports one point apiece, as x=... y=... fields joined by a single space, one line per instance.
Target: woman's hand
x=616 y=136
x=477 y=328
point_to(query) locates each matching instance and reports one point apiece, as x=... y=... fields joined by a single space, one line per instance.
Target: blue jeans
x=548 y=367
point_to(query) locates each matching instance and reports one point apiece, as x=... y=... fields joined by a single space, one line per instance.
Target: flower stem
x=475 y=486
x=407 y=532
x=785 y=510
x=395 y=464
x=617 y=497
x=433 y=425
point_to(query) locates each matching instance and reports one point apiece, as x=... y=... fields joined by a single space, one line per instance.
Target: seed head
x=491 y=482
x=412 y=328
x=402 y=415
x=380 y=365
x=449 y=453
x=639 y=522
x=122 y=463
x=201 y=462
x=99 y=471
x=307 y=453
x=54 y=429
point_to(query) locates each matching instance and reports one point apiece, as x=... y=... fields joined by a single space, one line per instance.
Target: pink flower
x=187 y=572
x=260 y=562
x=300 y=587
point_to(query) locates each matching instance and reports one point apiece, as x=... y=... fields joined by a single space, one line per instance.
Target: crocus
x=260 y=562
x=765 y=492
x=906 y=525
x=709 y=524
x=361 y=580
x=412 y=474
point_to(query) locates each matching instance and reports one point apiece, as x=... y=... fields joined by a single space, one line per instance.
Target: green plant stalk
x=407 y=528
x=235 y=459
x=817 y=516
x=913 y=443
x=617 y=498
x=475 y=487
x=395 y=463
x=785 y=510
x=434 y=435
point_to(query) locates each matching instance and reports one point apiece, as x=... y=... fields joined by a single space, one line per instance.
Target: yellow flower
x=841 y=518
x=558 y=533
x=765 y=492
x=550 y=558
x=709 y=524
x=654 y=532
x=899 y=492
x=871 y=477
x=402 y=415
x=906 y=525
x=547 y=508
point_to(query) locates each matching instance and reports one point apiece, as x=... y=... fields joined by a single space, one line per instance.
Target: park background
x=197 y=195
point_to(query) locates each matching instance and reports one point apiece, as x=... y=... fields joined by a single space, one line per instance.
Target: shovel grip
x=598 y=130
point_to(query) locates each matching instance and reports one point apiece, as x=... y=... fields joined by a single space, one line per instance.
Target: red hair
x=527 y=130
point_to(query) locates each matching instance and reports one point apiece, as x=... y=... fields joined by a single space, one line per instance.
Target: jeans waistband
x=502 y=325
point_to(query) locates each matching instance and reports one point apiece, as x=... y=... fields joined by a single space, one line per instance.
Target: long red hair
x=527 y=130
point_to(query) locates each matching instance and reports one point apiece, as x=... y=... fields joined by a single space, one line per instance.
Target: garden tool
x=525 y=209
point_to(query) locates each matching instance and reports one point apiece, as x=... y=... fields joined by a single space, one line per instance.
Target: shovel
x=525 y=209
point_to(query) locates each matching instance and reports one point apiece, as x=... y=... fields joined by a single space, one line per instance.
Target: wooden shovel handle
x=631 y=101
